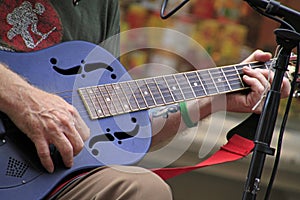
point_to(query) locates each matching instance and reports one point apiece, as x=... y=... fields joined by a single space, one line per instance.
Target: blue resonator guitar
x=113 y=106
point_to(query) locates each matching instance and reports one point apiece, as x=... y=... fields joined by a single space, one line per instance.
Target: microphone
x=75 y=2
x=276 y=9
x=173 y=11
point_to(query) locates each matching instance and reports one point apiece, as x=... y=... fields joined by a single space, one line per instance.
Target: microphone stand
x=287 y=39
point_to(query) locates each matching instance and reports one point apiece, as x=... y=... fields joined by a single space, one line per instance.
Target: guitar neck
x=136 y=95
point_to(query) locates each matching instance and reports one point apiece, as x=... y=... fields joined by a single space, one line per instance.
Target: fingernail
x=50 y=170
x=70 y=164
x=245 y=77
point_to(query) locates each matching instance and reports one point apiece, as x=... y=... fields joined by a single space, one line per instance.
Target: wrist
x=219 y=103
x=209 y=105
x=185 y=115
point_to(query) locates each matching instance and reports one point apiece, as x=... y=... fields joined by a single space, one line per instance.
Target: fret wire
x=131 y=95
x=174 y=77
x=207 y=82
x=115 y=91
x=164 y=77
x=196 y=86
x=237 y=71
x=190 y=84
x=115 y=100
x=157 y=96
x=117 y=88
x=232 y=77
x=111 y=98
x=141 y=94
x=94 y=100
x=175 y=90
x=164 y=90
x=107 y=99
x=241 y=66
x=190 y=79
x=201 y=82
x=134 y=94
x=259 y=64
x=103 y=98
x=213 y=81
x=142 y=88
x=220 y=79
x=150 y=92
x=163 y=98
x=99 y=102
x=232 y=72
x=91 y=101
x=226 y=78
x=252 y=65
x=185 y=87
x=200 y=89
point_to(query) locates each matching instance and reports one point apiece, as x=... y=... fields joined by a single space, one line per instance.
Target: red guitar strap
x=240 y=144
x=236 y=148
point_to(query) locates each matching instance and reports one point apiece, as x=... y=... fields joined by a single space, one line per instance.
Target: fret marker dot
x=126 y=106
x=195 y=84
x=219 y=79
x=146 y=93
x=99 y=111
x=174 y=88
x=107 y=99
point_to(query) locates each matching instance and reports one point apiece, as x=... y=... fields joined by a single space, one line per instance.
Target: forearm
x=168 y=121
x=11 y=88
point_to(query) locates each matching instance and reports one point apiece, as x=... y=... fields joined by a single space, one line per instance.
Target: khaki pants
x=118 y=183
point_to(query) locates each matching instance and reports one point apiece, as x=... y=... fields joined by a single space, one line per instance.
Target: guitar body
x=62 y=69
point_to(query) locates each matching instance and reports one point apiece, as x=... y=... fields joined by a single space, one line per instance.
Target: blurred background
x=228 y=31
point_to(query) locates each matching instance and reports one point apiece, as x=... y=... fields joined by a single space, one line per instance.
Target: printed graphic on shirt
x=29 y=25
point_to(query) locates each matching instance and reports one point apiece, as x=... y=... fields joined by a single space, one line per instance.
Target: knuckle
x=72 y=110
x=261 y=89
x=43 y=154
x=78 y=147
x=64 y=119
x=52 y=126
x=67 y=150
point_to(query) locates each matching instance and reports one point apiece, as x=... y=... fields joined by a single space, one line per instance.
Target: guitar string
x=198 y=71
x=187 y=87
x=206 y=83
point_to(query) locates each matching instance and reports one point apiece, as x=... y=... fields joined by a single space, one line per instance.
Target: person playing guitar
x=48 y=119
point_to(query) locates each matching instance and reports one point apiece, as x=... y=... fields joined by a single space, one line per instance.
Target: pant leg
x=118 y=183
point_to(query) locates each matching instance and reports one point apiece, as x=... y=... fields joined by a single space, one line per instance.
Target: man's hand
x=257 y=79
x=45 y=118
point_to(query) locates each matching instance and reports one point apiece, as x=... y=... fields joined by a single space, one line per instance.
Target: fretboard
x=129 y=96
